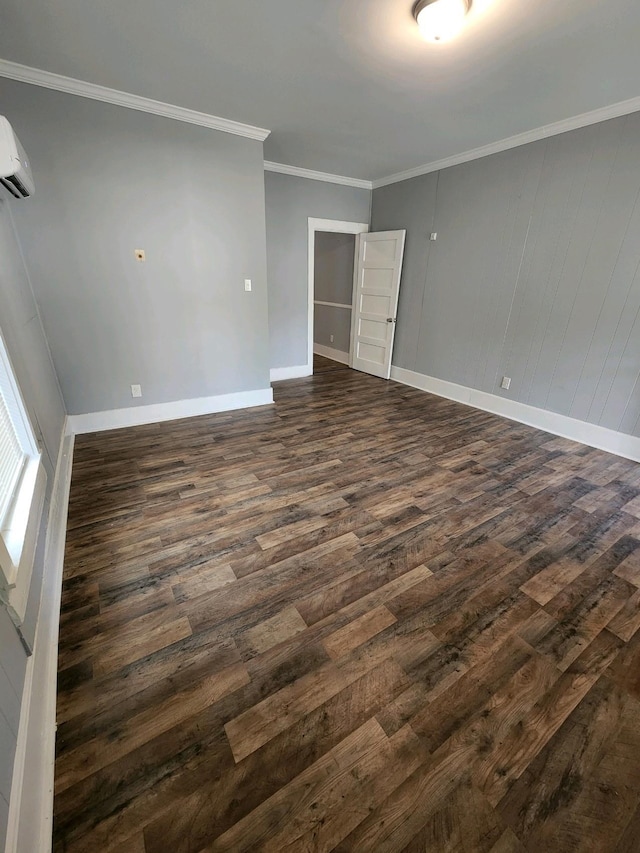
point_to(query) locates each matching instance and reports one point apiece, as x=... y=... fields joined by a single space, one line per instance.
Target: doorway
x=332 y=299
x=332 y=257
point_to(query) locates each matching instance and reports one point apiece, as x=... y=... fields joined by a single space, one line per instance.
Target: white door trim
x=335 y=226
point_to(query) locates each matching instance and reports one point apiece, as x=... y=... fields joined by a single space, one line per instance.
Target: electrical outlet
x=506 y=383
x=140 y=255
x=247 y=284
x=136 y=390
x=331 y=339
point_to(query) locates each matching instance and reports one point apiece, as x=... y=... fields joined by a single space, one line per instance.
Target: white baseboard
x=30 y=824
x=280 y=373
x=593 y=435
x=156 y=412
x=333 y=354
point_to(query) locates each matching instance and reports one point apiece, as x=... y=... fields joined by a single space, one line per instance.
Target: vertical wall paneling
x=412 y=202
x=535 y=273
x=7 y=740
x=4 y=814
x=10 y=701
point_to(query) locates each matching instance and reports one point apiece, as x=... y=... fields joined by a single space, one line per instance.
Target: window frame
x=20 y=524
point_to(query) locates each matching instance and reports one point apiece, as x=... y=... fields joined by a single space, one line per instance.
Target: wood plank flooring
x=365 y=619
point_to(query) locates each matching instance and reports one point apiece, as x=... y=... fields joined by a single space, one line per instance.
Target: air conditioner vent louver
x=15 y=187
x=15 y=172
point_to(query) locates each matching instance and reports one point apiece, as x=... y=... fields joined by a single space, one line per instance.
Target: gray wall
x=534 y=275
x=333 y=262
x=290 y=203
x=110 y=180
x=333 y=282
x=24 y=337
x=329 y=321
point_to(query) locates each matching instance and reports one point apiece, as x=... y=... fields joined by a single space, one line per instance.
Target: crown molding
x=310 y=174
x=49 y=80
x=622 y=108
x=83 y=89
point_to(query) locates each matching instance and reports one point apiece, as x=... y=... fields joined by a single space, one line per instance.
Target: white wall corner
x=330 y=352
x=277 y=374
x=602 y=438
x=30 y=823
x=158 y=412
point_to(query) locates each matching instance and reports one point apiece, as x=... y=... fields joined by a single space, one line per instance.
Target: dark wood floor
x=365 y=619
x=326 y=365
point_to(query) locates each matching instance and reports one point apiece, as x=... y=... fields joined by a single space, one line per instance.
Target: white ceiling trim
x=622 y=108
x=48 y=80
x=81 y=88
x=299 y=172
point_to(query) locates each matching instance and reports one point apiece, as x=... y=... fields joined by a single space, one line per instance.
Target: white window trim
x=20 y=526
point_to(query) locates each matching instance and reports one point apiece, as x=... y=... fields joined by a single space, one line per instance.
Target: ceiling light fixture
x=441 y=20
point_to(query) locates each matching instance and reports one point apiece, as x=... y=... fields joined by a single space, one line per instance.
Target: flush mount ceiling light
x=441 y=20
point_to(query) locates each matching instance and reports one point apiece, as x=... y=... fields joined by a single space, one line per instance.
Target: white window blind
x=12 y=455
x=22 y=489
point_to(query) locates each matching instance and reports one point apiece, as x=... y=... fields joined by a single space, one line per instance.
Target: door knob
x=391 y=319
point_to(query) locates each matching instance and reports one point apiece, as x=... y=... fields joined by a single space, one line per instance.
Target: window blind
x=12 y=456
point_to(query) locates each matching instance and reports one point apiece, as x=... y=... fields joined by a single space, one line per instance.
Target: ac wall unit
x=15 y=172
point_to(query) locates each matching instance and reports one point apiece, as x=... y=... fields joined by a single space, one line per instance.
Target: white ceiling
x=346 y=86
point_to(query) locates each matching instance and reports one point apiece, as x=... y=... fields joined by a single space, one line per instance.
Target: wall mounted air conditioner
x=15 y=172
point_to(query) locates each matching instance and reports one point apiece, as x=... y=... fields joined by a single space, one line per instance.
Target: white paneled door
x=375 y=301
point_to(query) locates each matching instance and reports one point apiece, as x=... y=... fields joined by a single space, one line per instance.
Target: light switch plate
x=247 y=284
